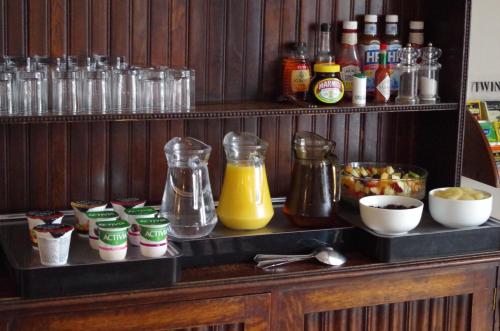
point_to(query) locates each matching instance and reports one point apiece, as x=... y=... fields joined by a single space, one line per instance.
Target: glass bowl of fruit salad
x=360 y=179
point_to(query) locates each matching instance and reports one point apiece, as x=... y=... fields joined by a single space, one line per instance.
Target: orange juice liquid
x=239 y=207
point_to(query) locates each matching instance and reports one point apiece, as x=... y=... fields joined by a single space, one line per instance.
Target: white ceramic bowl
x=460 y=214
x=390 y=221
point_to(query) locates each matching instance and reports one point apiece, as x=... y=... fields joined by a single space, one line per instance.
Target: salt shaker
x=408 y=70
x=428 y=74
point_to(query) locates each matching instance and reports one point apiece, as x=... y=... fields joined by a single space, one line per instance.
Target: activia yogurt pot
x=53 y=243
x=153 y=240
x=38 y=217
x=132 y=215
x=80 y=208
x=107 y=215
x=113 y=240
x=119 y=205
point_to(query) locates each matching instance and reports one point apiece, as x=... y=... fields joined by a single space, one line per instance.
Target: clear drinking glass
x=65 y=91
x=125 y=89
x=187 y=200
x=6 y=93
x=30 y=92
x=154 y=93
x=183 y=89
x=96 y=96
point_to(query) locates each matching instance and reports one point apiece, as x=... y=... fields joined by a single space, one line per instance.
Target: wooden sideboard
x=451 y=294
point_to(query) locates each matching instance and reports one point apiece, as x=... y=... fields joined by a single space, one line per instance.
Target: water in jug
x=315 y=185
x=245 y=201
x=187 y=200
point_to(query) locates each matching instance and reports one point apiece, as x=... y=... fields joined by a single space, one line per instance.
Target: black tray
x=85 y=272
x=428 y=240
x=224 y=246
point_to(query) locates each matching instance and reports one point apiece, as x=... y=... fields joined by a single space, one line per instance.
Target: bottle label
x=300 y=79
x=329 y=90
x=391 y=29
x=346 y=74
x=384 y=87
x=371 y=28
x=416 y=38
x=349 y=38
x=369 y=54
x=392 y=63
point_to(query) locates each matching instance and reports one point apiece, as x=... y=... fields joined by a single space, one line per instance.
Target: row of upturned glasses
x=41 y=85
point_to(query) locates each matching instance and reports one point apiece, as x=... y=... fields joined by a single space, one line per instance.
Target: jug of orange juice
x=245 y=201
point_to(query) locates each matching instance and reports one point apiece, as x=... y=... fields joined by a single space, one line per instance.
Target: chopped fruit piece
x=384 y=175
x=413 y=174
x=396 y=175
x=375 y=190
x=389 y=170
x=363 y=172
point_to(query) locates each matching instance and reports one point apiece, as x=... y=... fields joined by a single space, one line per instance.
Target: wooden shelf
x=229 y=110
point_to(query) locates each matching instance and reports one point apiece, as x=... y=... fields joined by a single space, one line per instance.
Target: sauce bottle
x=382 y=77
x=369 y=46
x=348 y=57
x=391 y=38
x=325 y=54
x=416 y=37
x=296 y=73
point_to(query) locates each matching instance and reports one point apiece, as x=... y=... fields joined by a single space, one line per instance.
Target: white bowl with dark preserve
x=361 y=179
x=390 y=215
x=121 y=204
x=460 y=208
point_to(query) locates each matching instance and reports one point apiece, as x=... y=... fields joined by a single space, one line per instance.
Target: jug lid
x=311 y=146
x=244 y=146
x=183 y=150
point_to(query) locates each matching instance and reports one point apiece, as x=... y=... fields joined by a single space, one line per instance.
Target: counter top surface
x=245 y=277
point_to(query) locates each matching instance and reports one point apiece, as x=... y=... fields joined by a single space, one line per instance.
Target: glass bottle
x=416 y=36
x=348 y=57
x=428 y=74
x=245 y=201
x=296 y=73
x=408 y=73
x=187 y=200
x=369 y=47
x=315 y=186
x=391 y=38
x=325 y=54
x=382 y=77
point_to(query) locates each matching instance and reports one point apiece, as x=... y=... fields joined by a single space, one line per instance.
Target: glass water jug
x=315 y=187
x=245 y=201
x=187 y=200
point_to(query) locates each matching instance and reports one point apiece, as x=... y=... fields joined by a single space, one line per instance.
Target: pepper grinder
x=408 y=75
x=428 y=74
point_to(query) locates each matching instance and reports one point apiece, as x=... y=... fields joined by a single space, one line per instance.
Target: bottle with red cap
x=348 y=57
x=382 y=77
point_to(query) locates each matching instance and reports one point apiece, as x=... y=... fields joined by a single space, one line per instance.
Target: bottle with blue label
x=391 y=38
x=369 y=47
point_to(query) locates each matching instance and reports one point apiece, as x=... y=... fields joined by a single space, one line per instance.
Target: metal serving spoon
x=326 y=255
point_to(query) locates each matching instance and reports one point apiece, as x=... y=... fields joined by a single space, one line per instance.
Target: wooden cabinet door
x=249 y=313
x=448 y=299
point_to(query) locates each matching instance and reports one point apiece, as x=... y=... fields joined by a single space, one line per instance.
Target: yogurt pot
x=153 y=239
x=107 y=215
x=119 y=205
x=53 y=243
x=113 y=240
x=132 y=215
x=80 y=208
x=38 y=217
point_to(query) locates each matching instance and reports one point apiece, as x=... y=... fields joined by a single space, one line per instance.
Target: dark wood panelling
x=49 y=165
x=235 y=47
x=436 y=314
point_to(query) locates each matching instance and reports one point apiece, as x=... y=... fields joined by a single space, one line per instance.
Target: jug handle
x=197 y=180
x=335 y=177
x=257 y=160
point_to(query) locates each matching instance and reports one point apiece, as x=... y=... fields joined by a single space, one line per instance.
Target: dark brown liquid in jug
x=313 y=197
